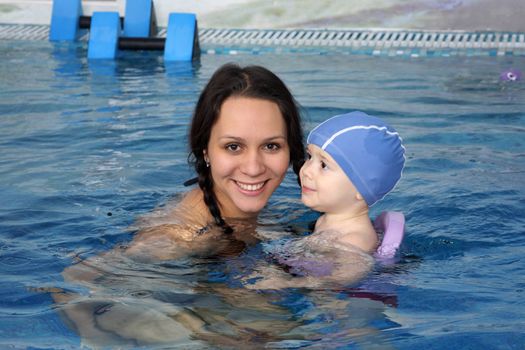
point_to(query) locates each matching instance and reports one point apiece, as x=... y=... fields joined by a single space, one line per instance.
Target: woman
x=245 y=133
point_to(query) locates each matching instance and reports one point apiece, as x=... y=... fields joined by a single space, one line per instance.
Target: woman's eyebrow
x=241 y=139
x=276 y=137
x=230 y=137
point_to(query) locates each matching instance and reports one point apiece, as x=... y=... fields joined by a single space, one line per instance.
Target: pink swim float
x=392 y=224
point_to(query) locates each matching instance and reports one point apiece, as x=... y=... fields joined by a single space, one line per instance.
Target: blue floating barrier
x=181 y=37
x=139 y=19
x=104 y=34
x=64 y=20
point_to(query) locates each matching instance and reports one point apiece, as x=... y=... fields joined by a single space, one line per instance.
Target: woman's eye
x=273 y=146
x=308 y=156
x=323 y=165
x=233 y=147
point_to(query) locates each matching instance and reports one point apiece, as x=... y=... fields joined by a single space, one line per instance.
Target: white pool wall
x=470 y=15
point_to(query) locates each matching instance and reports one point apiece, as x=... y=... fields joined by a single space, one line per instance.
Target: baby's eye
x=323 y=165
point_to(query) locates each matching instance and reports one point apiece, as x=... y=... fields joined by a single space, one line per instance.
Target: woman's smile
x=251 y=189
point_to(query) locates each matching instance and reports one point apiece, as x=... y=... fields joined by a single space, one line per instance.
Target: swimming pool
x=88 y=147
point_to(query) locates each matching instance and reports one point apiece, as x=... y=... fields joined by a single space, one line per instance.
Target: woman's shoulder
x=193 y=198
x=187 y=209
x=180 y=221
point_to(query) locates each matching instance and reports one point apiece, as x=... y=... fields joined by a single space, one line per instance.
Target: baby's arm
x=347 y=267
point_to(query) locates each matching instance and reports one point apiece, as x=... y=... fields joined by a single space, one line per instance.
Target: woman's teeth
x=248 y=187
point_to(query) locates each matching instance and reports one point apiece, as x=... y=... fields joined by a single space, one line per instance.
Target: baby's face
x=324 y=185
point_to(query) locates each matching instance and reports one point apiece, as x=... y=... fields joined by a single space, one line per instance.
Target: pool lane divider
x=110 y=33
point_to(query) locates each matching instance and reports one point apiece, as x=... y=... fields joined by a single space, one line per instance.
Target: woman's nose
x=253 y=164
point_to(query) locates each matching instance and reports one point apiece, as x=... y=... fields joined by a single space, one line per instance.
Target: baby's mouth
x=307 y=189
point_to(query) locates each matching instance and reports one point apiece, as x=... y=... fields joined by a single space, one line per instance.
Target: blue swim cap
x=367 y=149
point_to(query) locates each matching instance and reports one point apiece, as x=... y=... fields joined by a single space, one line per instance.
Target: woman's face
x=248 y=154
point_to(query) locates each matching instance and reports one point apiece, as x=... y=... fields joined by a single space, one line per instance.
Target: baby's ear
x=359 y=197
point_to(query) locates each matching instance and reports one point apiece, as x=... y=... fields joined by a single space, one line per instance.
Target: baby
x=353 y=161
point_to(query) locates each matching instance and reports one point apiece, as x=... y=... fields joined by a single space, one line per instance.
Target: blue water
x=86 y=148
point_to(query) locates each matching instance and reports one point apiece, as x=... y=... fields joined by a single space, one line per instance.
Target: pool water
x=87 y=147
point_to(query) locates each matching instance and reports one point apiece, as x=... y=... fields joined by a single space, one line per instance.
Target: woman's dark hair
x=233 y=80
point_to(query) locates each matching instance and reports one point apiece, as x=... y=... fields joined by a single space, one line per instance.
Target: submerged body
x=245 y=134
